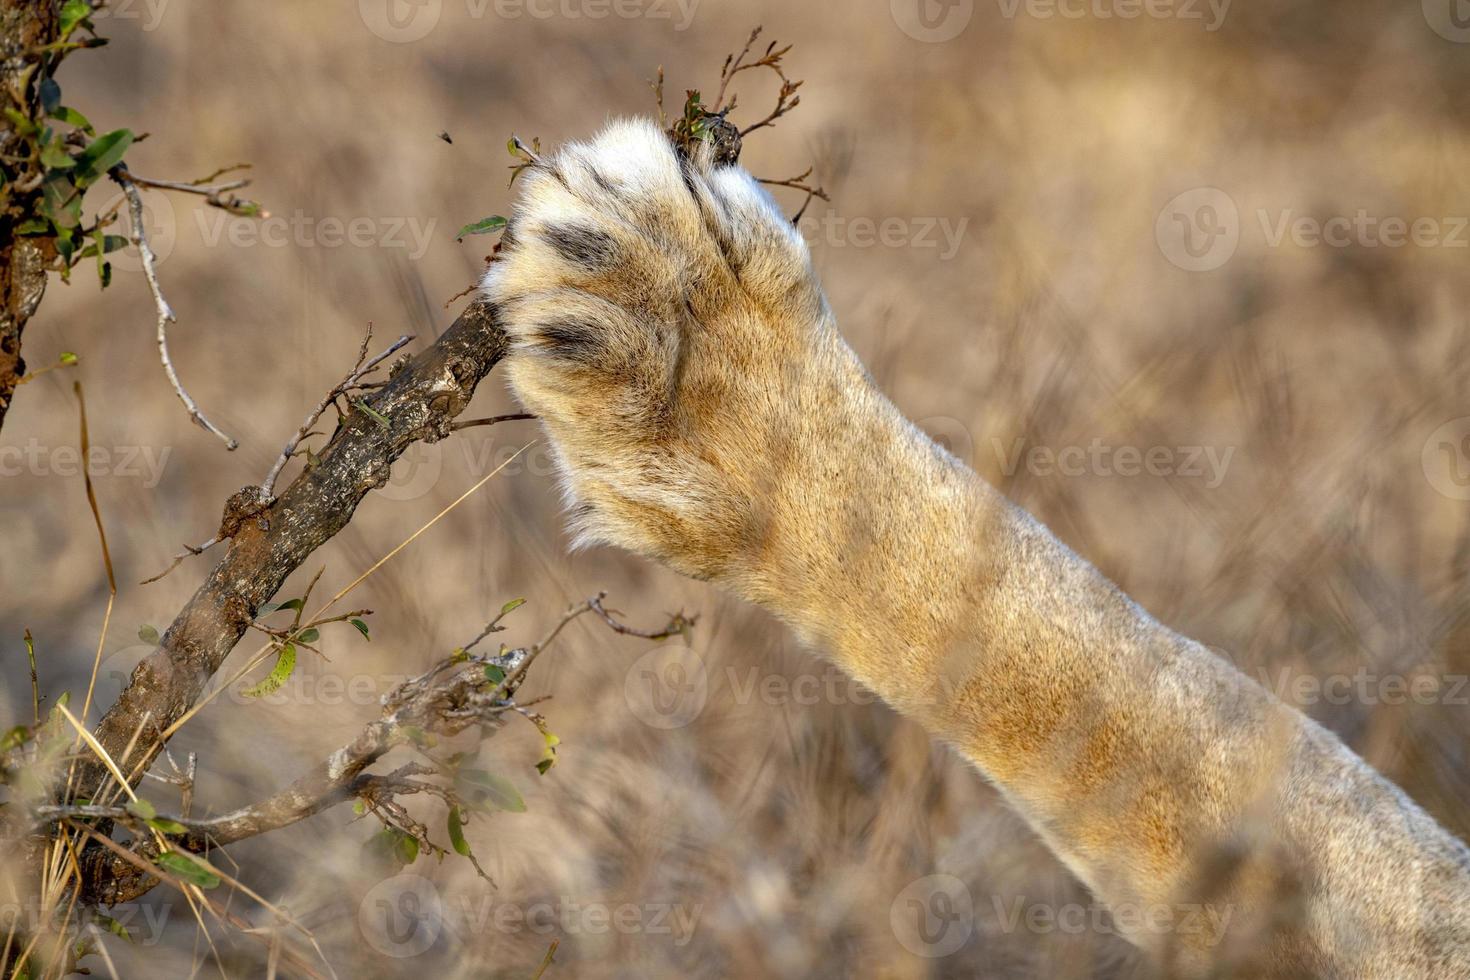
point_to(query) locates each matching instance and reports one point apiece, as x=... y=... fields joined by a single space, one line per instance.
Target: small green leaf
x=285 y=664
x=407 y=848
x=494 y=674
x=146 y=633
x=33 y=226
x=142 y=808
x=456 y=832
x=23 y=126
x=192 y=870
x=74 y=12
x=68 y=358
x=113 y=926
x=485 y=791
x=55 y=157
x=61 y=201
x=368 y=411
x=102 y=154
x=548 y=755
x=512 y=606
x=166 y=826
x=271 y=607
x=361 y=628
x=73 y=118
x=493 y=223
x=309 y=635
x=19 y=735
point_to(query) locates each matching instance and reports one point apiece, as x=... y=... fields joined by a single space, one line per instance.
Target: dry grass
x=788 y=830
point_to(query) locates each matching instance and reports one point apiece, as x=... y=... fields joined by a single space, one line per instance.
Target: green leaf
x=309 y=635
x=68 y=358
x=192 y=870
x=142 y=808
x=407 y=848
x=512 y=606
x=548 y=755
x=494 y=674
x=23 y=125
x=72 y=118
x=113 y=926
x=102 y=154
x=493 y=223
x=110 y=243
x=271 y=607
x=50 y=95
x=285 y=664
x=55 y=157
x=61 y=201
x=456 y=832
x=166 y=826
x=361 y=628
x=486 y=791
x=73 y=13
x=34 y=226
x=19 y=735
x=368 y=411
x=146 y=633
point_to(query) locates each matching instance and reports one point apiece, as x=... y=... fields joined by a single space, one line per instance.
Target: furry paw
x=665 y=321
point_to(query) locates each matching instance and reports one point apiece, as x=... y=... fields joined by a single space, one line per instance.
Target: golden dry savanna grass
x=1008 y=249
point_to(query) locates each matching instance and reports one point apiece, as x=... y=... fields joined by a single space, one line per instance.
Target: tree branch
x=267 y=541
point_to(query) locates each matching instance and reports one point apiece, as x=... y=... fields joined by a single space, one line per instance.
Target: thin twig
x=359 y=371
x=212 y=193
x=492 y=420
x=165 y=312
x=189 y=550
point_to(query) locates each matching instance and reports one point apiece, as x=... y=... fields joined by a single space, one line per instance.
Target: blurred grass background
x=1049 y=147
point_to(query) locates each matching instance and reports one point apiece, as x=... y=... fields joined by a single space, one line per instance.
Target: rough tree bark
x=268 y=541
x=25 y=26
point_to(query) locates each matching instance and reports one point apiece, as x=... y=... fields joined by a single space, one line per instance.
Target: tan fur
x=670 y=332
